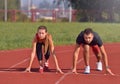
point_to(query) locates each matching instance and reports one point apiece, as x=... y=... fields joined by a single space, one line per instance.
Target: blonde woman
x=42 y=45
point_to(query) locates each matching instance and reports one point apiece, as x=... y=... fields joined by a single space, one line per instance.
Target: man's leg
x=97 y=52
x=98 y=55
x=86 y=54
x=86 y=58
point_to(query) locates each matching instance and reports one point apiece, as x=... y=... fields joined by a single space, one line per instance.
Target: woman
x=42 y=40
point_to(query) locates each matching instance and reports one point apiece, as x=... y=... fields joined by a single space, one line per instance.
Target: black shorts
x=40 y=53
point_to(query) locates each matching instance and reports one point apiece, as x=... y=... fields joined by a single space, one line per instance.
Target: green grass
x=19 y=35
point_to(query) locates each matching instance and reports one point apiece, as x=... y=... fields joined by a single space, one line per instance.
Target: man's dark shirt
x=96 y=39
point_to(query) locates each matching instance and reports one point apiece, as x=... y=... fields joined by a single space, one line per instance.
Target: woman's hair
x=87 y=31
x=42 y=27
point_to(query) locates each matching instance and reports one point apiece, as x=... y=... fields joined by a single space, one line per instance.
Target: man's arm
x=75 y=57
x=105 y=60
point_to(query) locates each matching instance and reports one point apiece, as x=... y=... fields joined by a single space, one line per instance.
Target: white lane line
x=66 y=74
x=69 y=72
x=116 y=75
x=25 y=60
x=19 y=63
x=13 y=66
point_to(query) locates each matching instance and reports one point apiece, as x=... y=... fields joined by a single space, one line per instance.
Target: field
x=15 y=50
x=19 y=35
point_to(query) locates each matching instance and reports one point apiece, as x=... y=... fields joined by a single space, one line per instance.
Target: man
x=88 y=38
x=42 y=45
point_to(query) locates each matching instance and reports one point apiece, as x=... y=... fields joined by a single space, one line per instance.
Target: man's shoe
x=87 y=70
x=99 y=66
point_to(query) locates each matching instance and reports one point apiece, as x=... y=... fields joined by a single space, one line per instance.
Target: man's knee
x=86 y=48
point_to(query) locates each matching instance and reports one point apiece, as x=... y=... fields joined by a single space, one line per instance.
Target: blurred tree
x=57 y=3
x=12 y=4
x=97 y=9
x=1 y=4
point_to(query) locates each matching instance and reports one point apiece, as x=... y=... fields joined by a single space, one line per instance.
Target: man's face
x=88 y=38
x=41 y=33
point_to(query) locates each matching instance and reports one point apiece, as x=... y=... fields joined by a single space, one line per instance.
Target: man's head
x=42 y=31
x=88 y=35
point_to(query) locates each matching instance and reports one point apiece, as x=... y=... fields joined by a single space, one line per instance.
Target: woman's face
x=42 y=33
x=88 y=38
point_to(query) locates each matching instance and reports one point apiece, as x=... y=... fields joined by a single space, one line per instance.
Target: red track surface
x=14 y=62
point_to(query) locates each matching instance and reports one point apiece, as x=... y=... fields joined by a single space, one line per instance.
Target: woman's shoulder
x=36 y=37
x=49 y=35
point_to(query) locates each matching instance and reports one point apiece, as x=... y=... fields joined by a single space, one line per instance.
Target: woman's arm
x=53 y=54
x=32 y=56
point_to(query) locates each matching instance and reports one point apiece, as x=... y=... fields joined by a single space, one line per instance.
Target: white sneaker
x=99 y=66
x=87 y=70
x=41 y=69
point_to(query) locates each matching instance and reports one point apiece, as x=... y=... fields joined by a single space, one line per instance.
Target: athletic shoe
x=46 y=68
x=41 y=69
x=87 y=70
x=46 y=64
x=99 y=66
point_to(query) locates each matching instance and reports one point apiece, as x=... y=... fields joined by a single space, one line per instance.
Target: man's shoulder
x=81 y=33
x=95 y=34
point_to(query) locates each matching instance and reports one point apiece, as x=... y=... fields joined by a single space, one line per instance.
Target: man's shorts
x=95 y=49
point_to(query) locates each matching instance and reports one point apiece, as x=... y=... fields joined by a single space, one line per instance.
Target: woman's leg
x=39 y=53
x=47 y=55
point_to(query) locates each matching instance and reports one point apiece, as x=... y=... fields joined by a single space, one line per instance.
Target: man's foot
x=87 y=70
x=99 y=66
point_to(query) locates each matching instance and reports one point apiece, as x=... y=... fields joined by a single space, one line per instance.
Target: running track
x=14 y=62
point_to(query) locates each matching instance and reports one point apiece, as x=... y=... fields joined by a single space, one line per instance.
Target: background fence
x=35 y=15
